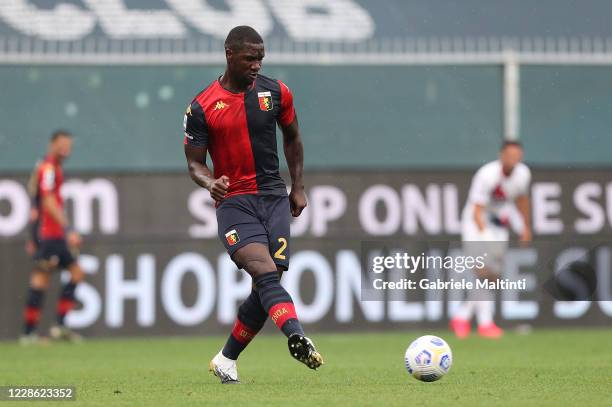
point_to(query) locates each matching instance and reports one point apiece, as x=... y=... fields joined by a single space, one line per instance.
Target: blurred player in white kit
x=498 y=189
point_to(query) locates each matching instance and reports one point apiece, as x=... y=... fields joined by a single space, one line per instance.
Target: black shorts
x=54 y=253
x=244 y=219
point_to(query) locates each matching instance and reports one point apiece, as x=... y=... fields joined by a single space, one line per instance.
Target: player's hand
x=219 y=188
x=30 y=247
x=74 y=240
x=297 y=201
x=525 y=236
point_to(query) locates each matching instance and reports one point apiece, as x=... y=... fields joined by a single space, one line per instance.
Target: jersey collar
x=229 y=92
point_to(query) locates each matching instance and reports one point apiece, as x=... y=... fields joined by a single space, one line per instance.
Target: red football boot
x=460 y=327
x=490 y=331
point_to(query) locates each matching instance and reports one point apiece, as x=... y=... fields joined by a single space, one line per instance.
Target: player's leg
x=267 y=263
x=251 y=318
x=275 y=300
x=39 y=283
x=66 y=300
x=239 y=226
x=485 y=304
x=460 y=323
x=251 y=314
x=479 y=301
x=277 y=214
x=246 y=240
x=44 y=263
x=485 y=309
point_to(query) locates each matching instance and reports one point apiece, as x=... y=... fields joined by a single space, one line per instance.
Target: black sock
x=277 y=303
x=65 y=302
x=251 y=318
x=32 y=311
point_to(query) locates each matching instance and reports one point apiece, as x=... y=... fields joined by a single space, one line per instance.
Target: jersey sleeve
x=480 y=191
x=46 y=180
x=526 y=181
x=33 y=182
x=287 y=111
x=194 y=126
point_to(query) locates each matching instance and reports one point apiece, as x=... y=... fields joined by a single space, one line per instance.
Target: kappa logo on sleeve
x=232 y=237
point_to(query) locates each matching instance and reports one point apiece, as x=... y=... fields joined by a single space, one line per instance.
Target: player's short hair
x=59 y=133
x=510 y=143
x=243 y=34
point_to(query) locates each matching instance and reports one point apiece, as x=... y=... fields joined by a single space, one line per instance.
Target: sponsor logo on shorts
x=232 y=237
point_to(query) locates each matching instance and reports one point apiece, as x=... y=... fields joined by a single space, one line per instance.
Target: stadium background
x=399 y=101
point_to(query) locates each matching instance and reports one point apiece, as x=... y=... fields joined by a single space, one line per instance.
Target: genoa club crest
x=232 y=237
x=265 y=101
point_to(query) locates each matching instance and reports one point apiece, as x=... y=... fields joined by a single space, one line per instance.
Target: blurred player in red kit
x=50 y=242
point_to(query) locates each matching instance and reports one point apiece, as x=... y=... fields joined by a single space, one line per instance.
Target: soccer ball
x=428 y=358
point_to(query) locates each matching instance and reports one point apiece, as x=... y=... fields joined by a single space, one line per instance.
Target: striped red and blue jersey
x=49 y=180
x=239 y=132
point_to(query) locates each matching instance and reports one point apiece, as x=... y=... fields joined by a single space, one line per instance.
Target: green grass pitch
x=545 y=368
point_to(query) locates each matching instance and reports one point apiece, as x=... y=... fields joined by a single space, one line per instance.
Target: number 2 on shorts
x=279 y=253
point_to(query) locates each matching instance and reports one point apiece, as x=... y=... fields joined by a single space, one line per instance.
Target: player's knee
x=258 y=266
x=255 y=259
x=76 y=272
x=43 y=266
x=40 y=280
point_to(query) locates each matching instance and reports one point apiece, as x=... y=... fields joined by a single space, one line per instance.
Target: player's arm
x=294 y=151
x=479 y=216
x=201 y=174
x=196 y=140
x=34 y=209
x=523 y=206
x=53 y=209
x=479 y=195
x=522 y=203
